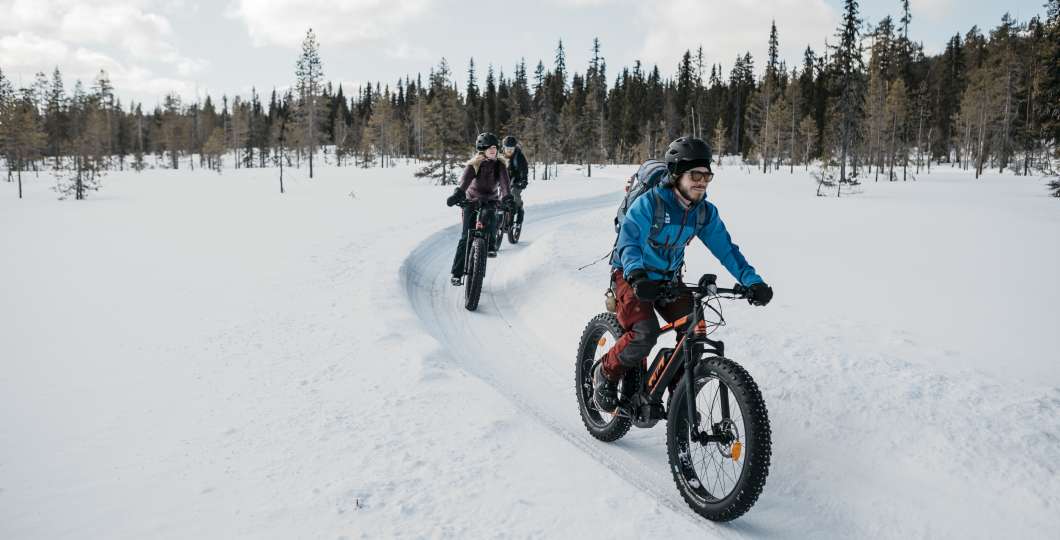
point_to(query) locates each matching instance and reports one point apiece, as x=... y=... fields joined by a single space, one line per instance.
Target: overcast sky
x=151 y=47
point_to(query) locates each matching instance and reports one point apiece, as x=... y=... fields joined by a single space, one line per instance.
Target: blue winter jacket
x=662 y=261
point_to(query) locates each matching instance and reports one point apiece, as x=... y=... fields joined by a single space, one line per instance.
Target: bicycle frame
x=690 y=348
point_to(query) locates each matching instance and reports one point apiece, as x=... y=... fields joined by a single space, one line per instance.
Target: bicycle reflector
x=737 y=449
x=602 y=342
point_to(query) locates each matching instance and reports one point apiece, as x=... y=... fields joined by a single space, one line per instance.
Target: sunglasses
x=700 y=176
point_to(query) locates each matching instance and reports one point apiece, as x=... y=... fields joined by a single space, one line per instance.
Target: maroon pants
x=637 y=318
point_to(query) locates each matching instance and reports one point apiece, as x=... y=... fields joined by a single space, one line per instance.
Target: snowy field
x=187 y=355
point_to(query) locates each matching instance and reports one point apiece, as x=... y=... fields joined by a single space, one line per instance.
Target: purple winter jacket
x=483 y=178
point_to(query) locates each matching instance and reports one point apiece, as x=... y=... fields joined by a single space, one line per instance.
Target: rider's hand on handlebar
x=456 y=198
x=643 y=288
x=759 y=294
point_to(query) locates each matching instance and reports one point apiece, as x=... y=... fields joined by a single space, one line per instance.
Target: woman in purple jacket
x=485 y=181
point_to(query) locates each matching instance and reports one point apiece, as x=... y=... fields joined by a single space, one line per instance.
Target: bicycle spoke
x=717 y=473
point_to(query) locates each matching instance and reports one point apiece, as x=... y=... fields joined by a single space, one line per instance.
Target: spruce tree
x=309 y=76
x=848 y=74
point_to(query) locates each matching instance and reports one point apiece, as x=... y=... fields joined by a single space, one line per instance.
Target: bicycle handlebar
x=707 y=286
x=477 y=202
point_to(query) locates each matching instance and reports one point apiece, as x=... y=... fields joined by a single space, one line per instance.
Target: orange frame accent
x=670 y=326
x=653 y=379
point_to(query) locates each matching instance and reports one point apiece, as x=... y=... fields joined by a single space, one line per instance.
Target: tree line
x=871 y=104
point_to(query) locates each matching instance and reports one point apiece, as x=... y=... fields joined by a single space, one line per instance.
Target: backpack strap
x=658 y=214
x=703 y=216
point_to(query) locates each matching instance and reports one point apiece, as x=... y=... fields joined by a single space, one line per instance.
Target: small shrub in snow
x=77 y=176
x=825 y=177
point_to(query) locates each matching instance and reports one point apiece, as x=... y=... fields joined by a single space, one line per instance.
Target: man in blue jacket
x=649 y=255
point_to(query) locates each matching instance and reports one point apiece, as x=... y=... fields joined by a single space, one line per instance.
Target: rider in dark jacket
x=485 y=180
x=518 y=171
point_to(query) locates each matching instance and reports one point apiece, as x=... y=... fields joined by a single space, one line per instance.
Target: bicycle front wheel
x=721 y=469
x=473 y=288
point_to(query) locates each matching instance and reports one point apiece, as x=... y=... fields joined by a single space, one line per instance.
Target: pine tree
x=593 y=117
x=310 y=76
x=896 y=112
x=104 y=92
x=769 y=91
x=1007 y=63
x=472 y=103
x=214 y=149
x=1049 y=115
x=7 y=104
x=380 y=132
x=848 y=67
x=173 y=126
x=55 y=121
x=22 y=140
x=89 y=143
x=444 y=127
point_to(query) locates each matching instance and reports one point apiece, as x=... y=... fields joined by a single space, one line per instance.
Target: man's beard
x=690 y=196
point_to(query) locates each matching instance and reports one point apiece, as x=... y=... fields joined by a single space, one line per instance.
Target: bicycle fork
x=719 y=432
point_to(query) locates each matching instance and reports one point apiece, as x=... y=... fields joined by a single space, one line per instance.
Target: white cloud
x=29 y=52
x=129 y=26
x=335 y=22
x=726 y=28
x=37 y=35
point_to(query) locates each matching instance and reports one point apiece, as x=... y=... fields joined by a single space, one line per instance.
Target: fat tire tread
x=756 y=422
x=513 y=236
x=478 y=273
x=617 y=427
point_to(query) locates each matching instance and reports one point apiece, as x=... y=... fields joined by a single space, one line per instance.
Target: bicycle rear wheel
x=599 y=336
x=514 y=232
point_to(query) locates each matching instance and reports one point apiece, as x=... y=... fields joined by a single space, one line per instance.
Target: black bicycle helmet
x=486 y=140
x=510 y=142
x=687 y=153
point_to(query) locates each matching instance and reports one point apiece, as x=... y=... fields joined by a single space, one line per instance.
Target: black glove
x=759 y=294
x=508 y=202
x=643 y=288
x=456 y=198
x=521 y=185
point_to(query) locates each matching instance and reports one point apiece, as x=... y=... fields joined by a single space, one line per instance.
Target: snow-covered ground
x=194 y=355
